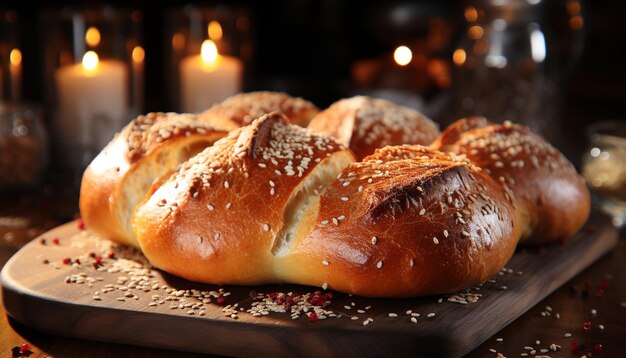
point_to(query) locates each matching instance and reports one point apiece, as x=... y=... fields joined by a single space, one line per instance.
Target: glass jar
x=23 y=147
x=502 y=66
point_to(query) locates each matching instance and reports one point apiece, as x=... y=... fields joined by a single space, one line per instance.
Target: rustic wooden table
x=598 y=295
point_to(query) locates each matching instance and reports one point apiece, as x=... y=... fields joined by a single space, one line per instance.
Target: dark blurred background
x=307 y=48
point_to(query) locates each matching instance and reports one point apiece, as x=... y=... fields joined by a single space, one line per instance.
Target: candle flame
x=215 y=31
x=209 y=52
x=138 y=54
x=90 y=60
x=15 y=57
x=402 y=55
x=92 y=36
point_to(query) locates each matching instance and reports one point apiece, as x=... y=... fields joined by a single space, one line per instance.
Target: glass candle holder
x=93 y=78
x=10 y=59
x=604 y=167
x=208 y=47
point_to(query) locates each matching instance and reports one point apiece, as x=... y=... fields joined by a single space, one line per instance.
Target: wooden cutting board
x=151 y=308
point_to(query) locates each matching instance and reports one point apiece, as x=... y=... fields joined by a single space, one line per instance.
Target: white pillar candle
x=92 y=102
x=208 y=78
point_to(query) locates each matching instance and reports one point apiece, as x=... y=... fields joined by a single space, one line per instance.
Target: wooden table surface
x=597 y=295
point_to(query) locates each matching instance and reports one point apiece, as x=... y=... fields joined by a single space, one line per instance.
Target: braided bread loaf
x=274 y=202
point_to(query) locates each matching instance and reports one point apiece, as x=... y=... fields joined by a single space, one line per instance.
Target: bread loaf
x=228 y=213
x=549 y=195
x=119 y=177
x=364 y=124
x=243 y=108
x=273 y=202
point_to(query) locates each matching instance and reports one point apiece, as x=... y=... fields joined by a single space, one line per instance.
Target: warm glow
x=215 y=31
x=573 y=7
x=92 y=37
x=402 y=55
x=576 y=22
x=138 y=54
x=209 y=52
x=459 y=56
x=178 y=41
x=90 y=60
x=475 y=32
x=15 y=57
x=471 y=14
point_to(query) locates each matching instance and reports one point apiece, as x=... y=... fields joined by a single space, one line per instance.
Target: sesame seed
x=567 y=335
x=413 y=319
x=324 y=286
x=393 y=314
x=435 y=241
x=360 y=189
x=379 y=264
x=324 y=222
x=341 y=217
x=601 y=326
x=465 y=233
x=228 y=205
x=499 y=339
x=325 y=263
x=345 y=198
x=492 y=350
x=272 y=183
x=216 y=236
x=210 y=207
x=266 y=227
x=430 y=315
x=374 y=240
x=226 y=184
x=445 y=233
x=423 y=211
x=278 y=172
x=411 y=263
x=262 y=165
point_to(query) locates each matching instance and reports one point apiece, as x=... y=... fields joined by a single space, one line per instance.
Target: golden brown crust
x=550 y=196
x=120 y=175
x=395 y=227
x=241 y=109
x=240 y=188
x=365 y=124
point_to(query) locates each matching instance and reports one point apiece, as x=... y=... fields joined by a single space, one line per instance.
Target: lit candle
x=138 y=55
x=15 y=58
x=92 y=102
x=208 y=78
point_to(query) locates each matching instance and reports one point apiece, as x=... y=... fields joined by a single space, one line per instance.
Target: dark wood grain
x=36 y=295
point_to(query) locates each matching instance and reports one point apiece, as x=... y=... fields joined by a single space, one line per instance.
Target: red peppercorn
x=98 y=260
x=605 y=284
x=220 y=300
x=111 y=254
x=42 y=241
x=81 y=224
x=56 y=240
x=67 y=261
x=317 y=301
x=24 y=348
x=574 y=347
x=597 y=347
x=328 y=295
x=317 y=293
x=313 y=317
x=586 y=325
x=92 y=254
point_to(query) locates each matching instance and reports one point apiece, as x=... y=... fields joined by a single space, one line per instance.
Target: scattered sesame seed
x=413 y=319
x=391 y=314
x=445 y=233
x=436 y=241
x=374 y=240
x=324 y=286
x=492 y=350
x=228 y=205
x=601 y=326
x=210 y=207
x=266 y=227
x=216 y=236
x=345 y=198
x=430 y=315
x=325 y=263
x=567 y=335
x=423 y=211
x=465 y=233
x=499 y=339
x=379 y=264
x=226 y=184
